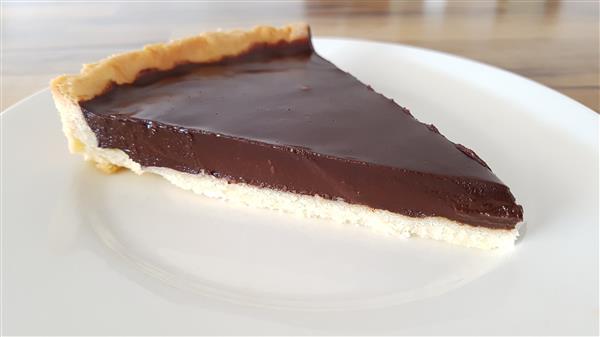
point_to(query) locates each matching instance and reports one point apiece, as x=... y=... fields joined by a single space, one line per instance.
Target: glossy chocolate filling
x=280 y=116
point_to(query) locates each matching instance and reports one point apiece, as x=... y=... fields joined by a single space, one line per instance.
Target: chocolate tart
x=258 y=117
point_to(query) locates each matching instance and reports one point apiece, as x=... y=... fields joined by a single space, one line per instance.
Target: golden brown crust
x=207 y=47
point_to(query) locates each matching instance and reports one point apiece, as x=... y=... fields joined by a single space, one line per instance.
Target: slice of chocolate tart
x=259 y=118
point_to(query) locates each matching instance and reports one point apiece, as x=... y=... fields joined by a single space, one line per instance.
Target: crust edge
x=207 y=47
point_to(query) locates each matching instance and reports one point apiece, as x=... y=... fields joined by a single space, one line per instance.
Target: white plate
x=86 y=253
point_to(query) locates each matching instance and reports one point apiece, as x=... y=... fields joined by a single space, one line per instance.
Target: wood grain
x=555 y=43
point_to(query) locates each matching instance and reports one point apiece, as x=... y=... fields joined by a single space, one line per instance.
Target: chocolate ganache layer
x=280 y=116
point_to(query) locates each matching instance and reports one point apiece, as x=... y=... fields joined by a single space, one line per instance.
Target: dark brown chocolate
x=282 y=117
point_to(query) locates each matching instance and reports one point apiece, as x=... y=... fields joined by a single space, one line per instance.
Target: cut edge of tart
x=95 y=79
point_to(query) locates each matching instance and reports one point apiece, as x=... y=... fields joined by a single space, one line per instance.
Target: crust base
x=68 y=90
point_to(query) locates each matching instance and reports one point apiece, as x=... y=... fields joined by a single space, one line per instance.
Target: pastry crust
x=69 y=90
x=208 y=47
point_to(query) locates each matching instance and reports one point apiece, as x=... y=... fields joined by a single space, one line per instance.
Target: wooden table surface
x=552 y=42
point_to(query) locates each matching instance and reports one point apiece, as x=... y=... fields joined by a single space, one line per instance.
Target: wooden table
x=553 y=42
